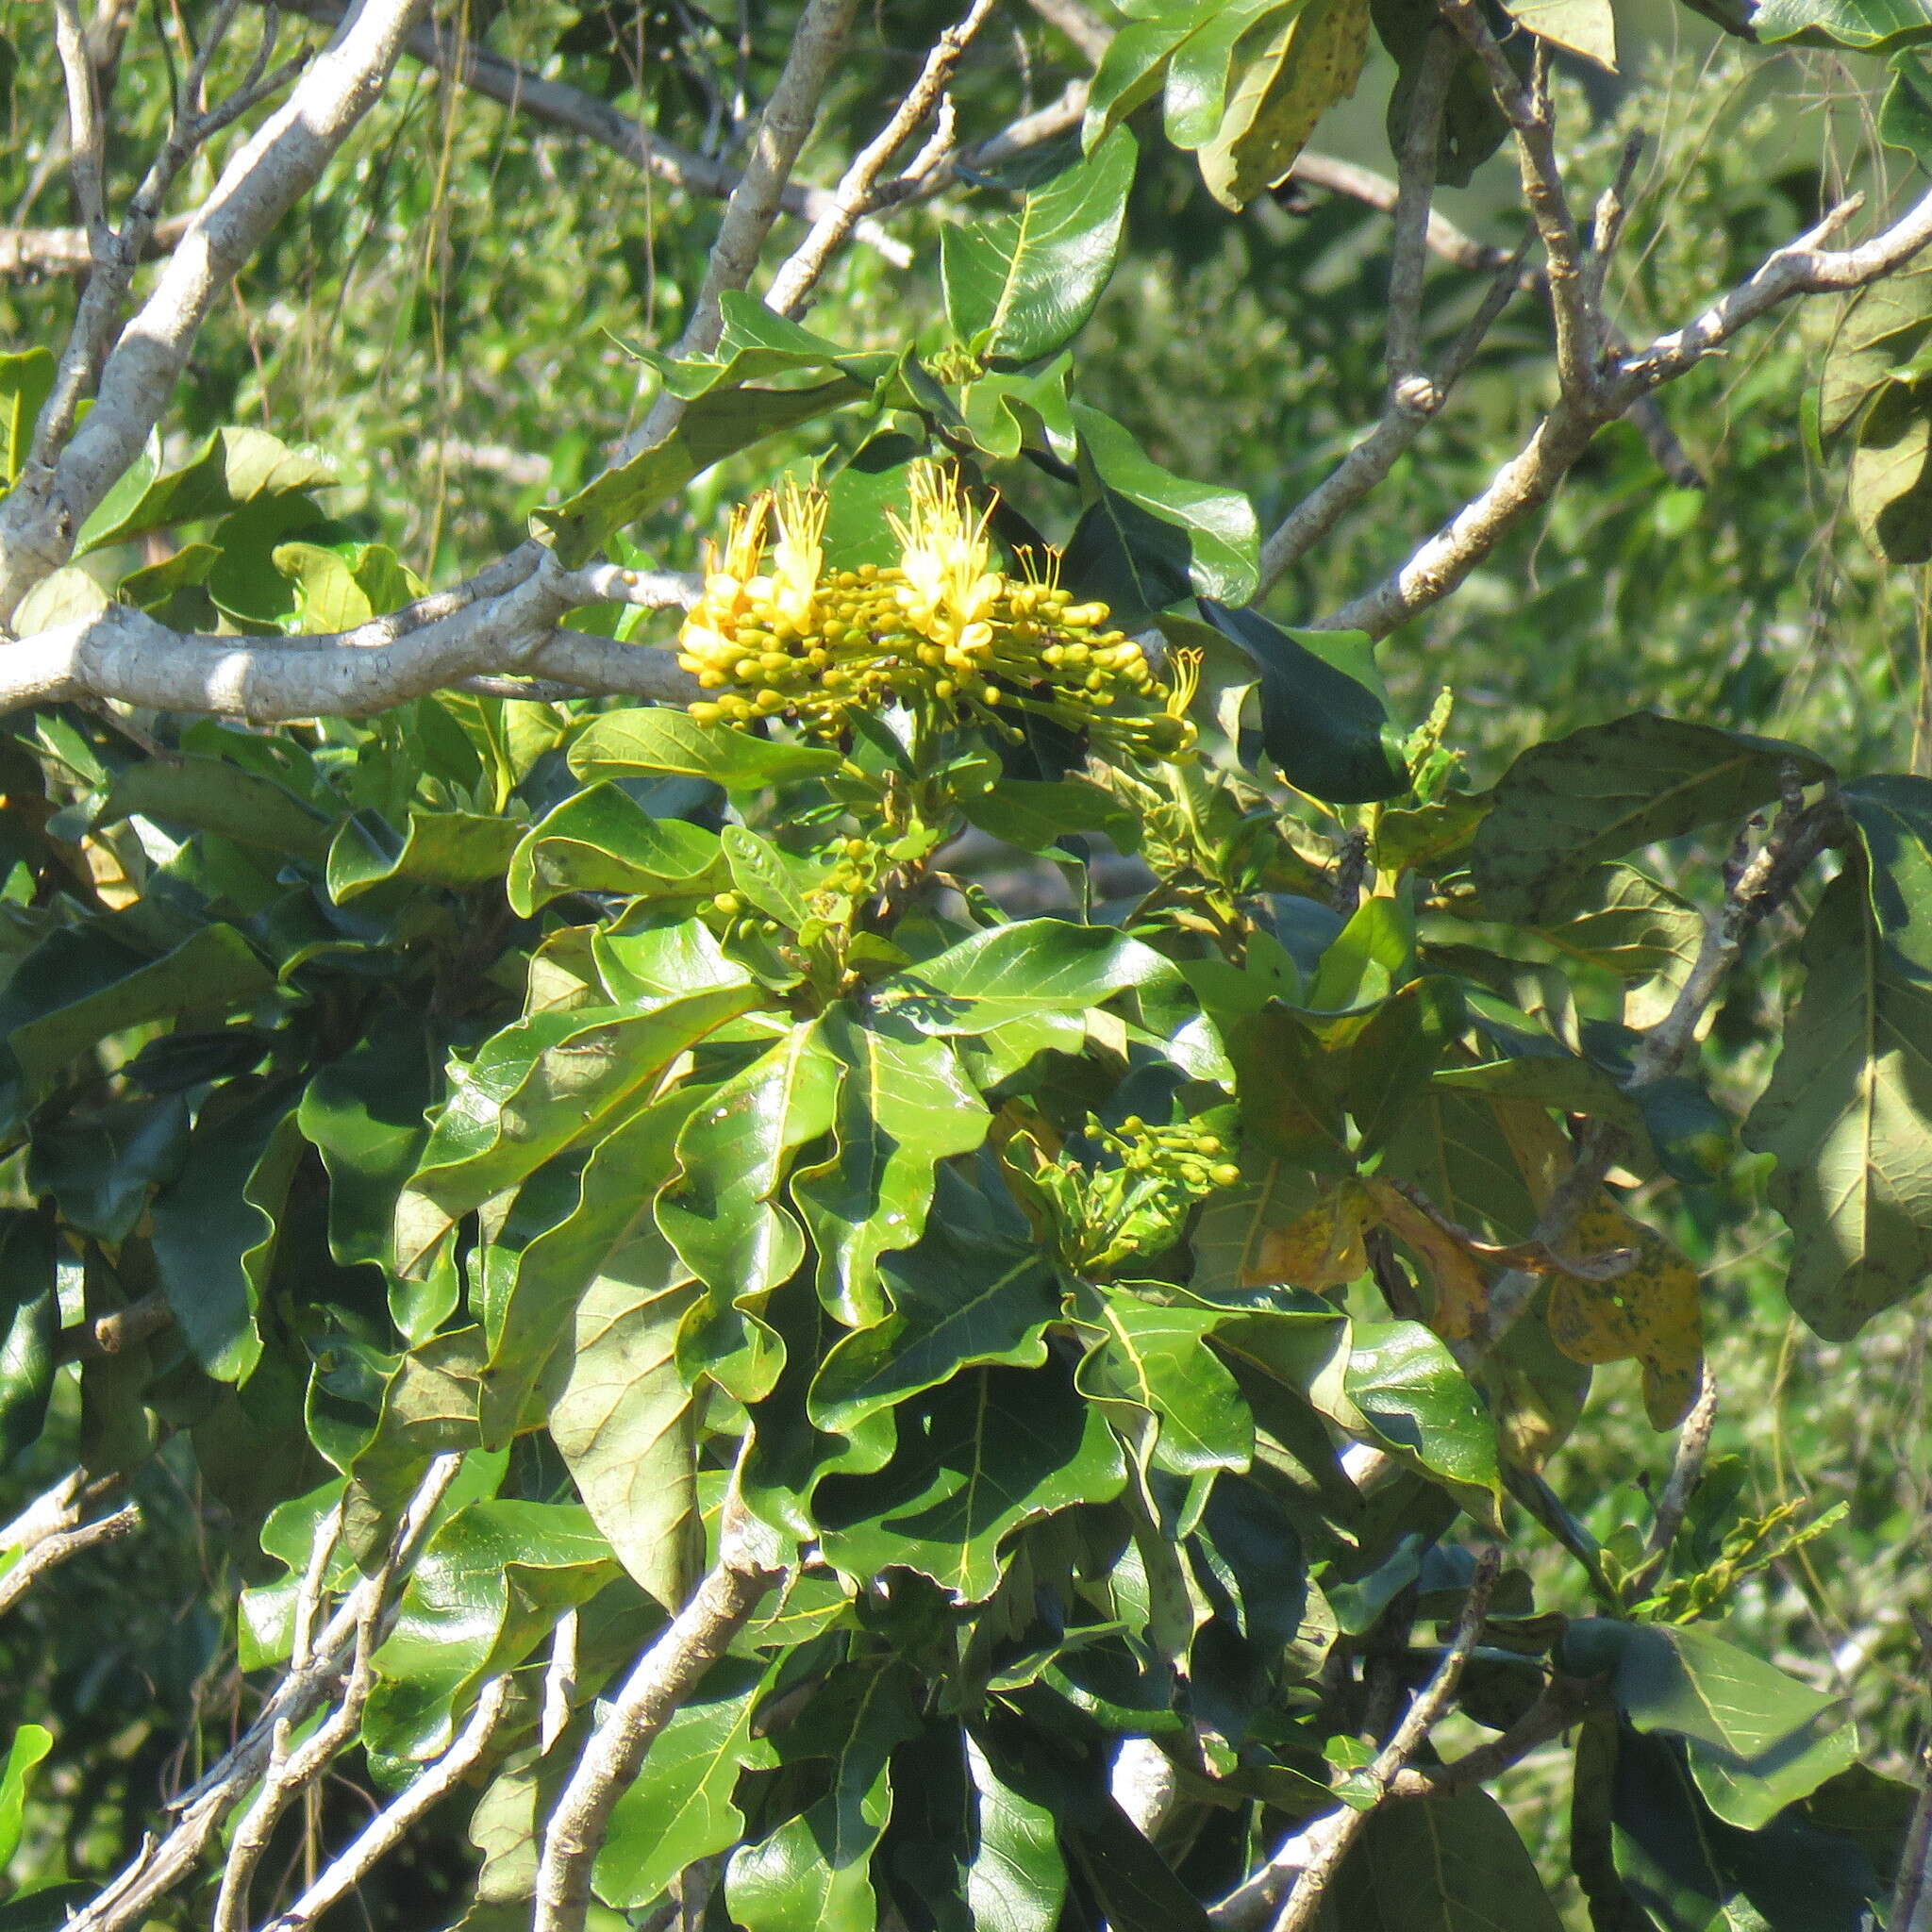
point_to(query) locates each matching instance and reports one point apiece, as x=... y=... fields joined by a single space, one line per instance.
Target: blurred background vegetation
x=443 y=319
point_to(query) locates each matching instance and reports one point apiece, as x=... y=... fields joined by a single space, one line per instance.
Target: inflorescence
x=943 y=632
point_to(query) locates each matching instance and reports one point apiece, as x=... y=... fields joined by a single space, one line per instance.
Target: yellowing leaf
x=1649 y=1313
x=1320 y=1249
x=1461 y=1290
x=1296 y=73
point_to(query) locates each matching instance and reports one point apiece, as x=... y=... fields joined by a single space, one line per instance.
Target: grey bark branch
x=797 y=276
x=68 y=251
x=124 y=655
x=788 y=120
x=55 y=1528
x=662 y=1678
x=278 y=164
x=1528 y=480
x=162 y=1864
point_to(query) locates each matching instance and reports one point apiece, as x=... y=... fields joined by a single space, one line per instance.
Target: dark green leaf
x=1222 y=536
x=1021 y=286
x=1565 y=806
x=1442 y=1865
x=992 y=1449
x=1425 y=1412
x=231 y=468
x=27 y=380
x=603 y=841
x=208 y=795
x=30 y=1324
x=434 y=848
x=1325 y=715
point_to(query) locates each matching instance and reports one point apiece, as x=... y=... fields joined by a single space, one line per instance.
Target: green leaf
x=1565 y=806
x=671 y=743
x=1625 y=922
x=98 y=1164
x=1585 y=26
x=1884 y=328
x=29 y=1327
x=1021 y=286
x=1036 y=967
x=991 y=1450
x=1201 y=67
x=1156 y=1360
x=1018 y=1880
x=1472 y=125
x=83 y=983
x=487 y=1590
x=756 y=342
x=217 y=1224
x=1844 y=1116
x=680 y=1808
x=713 y=427
x=1891 y=490
x=1036 y=815
x=957 y=1299
x=1442 y=1865
x=621 y=1420
x=233 y=467
x=903 y=1106
x=1222 y=538
x=1135 y=63
x=564 y=1230
x=658 y=962
x=536 y=1088
x=31 y=1743
x=206 y=795
x=1905 y=120
x=434 y=848
x=27 y=380
x=761 y=875
x=365 y=1115
x=813 y=1875
x=603 y=841
x=1869 y=27
x=1289 y=72
x=1326 y=719
x=1759 y=1739
x=721 y=1210
x=1425 y=1412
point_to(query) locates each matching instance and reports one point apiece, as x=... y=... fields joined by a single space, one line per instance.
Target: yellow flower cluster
x=942 y=632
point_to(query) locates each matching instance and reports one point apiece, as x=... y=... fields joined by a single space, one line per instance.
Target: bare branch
x=1421 y=142
x=68 y=252
x=124 y=655
x=385 y=1831
x=1303 y=1866
x=792 y=285
x=54 y=1528
x=113 y=1334
x=666 y=1673
x=1533 y=476
x=161 y=1865
x=789 y=118
x=1409 y=409
x=86 y=138
x=1911 y=1899
x=1378 y=192
x=280 y=163
x=571 y=110
x=1564 y=1701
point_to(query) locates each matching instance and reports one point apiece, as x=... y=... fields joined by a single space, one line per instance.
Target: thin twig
x=385 y=1831
x=789 y=116
x=798 y=276
x=58 y=1547
x=1421 y=143
x=1686 y=1472
x=1302 y=1867
x=85 y=137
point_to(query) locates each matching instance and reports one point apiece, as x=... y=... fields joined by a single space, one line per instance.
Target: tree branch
x=54 y=1528
x=161 y=1865
x=280 y=161
x=571 y=110
x=1527 y=481
x=792 y=285
x=789 y=115
x=1302 y=1867
x=667 y=1672
x=385 y=1831
x=124 y=655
